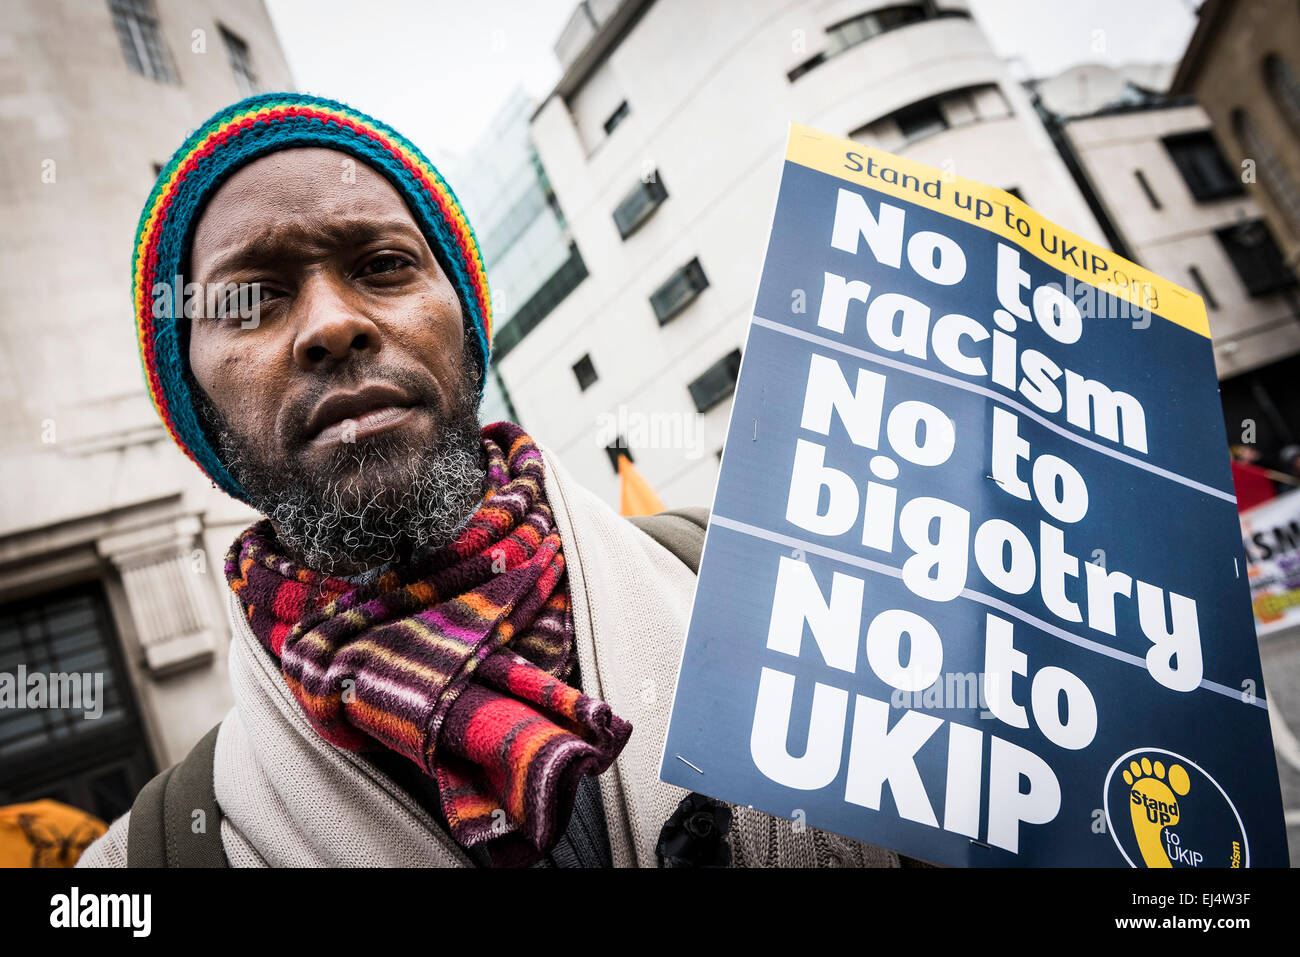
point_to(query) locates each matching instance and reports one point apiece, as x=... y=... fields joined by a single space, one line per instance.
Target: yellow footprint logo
x=1154 y=806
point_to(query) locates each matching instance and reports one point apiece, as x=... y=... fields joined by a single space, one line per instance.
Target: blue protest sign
x=974 y=588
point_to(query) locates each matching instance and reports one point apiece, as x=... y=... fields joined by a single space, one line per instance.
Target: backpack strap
x=160 y=831
x=680 y=530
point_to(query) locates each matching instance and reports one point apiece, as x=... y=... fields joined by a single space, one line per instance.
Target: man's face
x=348 y=410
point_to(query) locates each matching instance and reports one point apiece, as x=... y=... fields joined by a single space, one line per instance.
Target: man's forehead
x=294 y=196
x=300 y=236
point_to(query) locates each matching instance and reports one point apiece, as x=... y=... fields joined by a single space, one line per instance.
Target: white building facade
x=664 y=141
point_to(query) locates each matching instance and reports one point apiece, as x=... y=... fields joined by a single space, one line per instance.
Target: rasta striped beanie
x=227 y=141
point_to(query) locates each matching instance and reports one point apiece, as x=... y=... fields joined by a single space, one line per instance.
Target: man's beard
x=373 y=501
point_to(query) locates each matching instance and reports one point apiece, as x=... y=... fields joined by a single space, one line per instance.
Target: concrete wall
x=1224 y=70
x=91 y=482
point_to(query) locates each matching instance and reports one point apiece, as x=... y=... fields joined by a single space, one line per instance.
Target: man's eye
x=384 y=264
x=244 y=301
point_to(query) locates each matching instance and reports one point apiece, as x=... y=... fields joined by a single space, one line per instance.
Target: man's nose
x=331 y=326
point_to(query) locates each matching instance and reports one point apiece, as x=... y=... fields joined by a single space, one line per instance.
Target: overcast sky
x=438 y=70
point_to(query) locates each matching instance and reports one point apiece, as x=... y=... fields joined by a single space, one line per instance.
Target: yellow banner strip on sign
x=1000 y=213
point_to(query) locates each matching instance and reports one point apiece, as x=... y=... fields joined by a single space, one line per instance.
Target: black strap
x=680 y=530
x=161 y=831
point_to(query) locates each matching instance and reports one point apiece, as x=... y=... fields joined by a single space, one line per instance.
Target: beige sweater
x=290 y=799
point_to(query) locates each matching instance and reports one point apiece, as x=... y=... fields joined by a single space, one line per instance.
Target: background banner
x=1271 y=535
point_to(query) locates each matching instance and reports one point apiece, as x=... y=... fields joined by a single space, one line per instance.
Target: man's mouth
x=345 y=416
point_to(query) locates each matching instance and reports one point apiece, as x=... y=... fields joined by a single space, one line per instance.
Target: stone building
x=1171 y=200
x=111 y=543
x=1243 y=67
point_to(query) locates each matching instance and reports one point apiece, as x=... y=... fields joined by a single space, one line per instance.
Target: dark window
x=95 y=763
x=637 y=206
x=924 y=117
x=157 y=170
x=717 y=382
x=1284 y=85
x=617 y=117
x=240 y=62
x=136 y=23
x=1281 y=186
x=1201 y=162
x=861 y=28
x=1146 y=188
x=617 y=448
x=585 y=372
x=539 y=305
x=810 y=64
x=1202 y=288
x=921 y=119
x=1266 y=396
x=1256 y=257
x=677 y=293
x=1015 y=191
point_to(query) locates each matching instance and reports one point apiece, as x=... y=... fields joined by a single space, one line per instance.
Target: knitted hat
x=230 y=139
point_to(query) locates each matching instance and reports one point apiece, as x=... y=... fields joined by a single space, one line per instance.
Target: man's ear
x=469 y=352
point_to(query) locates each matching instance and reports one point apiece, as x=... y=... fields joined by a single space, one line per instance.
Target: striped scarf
x=457 y=660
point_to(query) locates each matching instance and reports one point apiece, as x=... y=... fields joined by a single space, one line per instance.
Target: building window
x=1285 y=88
x=1201 y=162
x=240 y=62
x=717 y=382
x=849 y=33
x=934 y=114
x=1202 y=288
x=97 y=764
x=585 y=372
x=618 y=448
x=1146 y=188
x=539 y=305
x=921 y=119
x=1256 y=258
x=1277 y=181
x=679 y=291
x=637 y=206
x=617 y=117
x=136 y=24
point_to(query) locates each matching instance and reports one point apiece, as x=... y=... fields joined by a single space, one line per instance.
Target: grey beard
x=329 y=519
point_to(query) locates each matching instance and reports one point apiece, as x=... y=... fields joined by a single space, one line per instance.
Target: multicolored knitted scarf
x=457 y=661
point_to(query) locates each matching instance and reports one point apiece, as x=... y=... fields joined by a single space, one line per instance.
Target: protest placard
x=973 y=587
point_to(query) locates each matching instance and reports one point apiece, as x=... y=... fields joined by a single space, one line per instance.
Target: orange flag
x=45 y=833
x=636 y=497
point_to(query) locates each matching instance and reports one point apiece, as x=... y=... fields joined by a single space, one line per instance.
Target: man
x=444 y=651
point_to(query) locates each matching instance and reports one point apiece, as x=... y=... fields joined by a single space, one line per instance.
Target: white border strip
x=882 y=569
x=996 y=397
